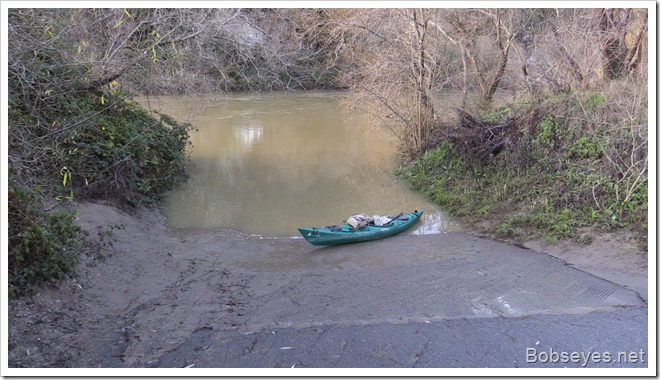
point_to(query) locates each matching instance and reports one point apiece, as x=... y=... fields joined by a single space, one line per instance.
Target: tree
x=299 y=48
x=151 y=45
x=616 y=24
x=499 y=27
x=402 y=67
x=422 y=74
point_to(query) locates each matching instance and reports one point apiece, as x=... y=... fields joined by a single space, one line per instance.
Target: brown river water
x=266 y=164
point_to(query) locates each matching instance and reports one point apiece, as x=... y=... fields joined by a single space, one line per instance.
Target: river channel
x=265 y=164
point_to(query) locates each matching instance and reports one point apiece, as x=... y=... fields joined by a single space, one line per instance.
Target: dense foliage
x=42 y=246
x=575 y=160
x=73 y=138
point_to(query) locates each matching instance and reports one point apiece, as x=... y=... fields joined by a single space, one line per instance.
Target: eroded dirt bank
x=157 y=286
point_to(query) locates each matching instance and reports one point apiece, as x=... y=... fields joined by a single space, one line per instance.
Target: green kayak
x=346 y=234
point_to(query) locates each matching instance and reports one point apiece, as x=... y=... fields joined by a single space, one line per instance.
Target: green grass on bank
x=571 y=163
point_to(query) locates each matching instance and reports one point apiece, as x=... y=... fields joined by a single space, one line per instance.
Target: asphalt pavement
x=593 y=340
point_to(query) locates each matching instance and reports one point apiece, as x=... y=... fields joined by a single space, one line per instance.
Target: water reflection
x=434 y=223
x=249 y=135
x=267 y=164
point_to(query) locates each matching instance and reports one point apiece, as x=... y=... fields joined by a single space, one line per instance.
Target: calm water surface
x=266 y=164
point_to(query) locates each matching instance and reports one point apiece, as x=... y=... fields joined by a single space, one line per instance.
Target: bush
x=72 y=137
x=571 y=161
x=126 y=154
x=42 y=246
x=117 y=152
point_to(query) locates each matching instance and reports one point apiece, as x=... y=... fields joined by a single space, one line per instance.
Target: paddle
x=395 y=218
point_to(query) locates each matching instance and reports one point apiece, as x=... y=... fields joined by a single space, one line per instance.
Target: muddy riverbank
x=158 y=286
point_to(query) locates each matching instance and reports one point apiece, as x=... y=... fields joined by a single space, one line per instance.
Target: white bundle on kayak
x=381 y=220
x=358 y=221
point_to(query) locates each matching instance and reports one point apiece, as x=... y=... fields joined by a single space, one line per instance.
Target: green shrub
x=569 y=163
x=126 y=154
x=595 y=100
x=118 y=152
x=43 y=246
x=71 y=138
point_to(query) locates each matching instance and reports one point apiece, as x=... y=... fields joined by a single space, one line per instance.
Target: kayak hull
x=327 y=236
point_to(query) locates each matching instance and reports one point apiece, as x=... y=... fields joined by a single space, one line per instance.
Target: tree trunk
x=423 y=74
x=575 y=67
x=635 y=53
x=504 y=57
x=614 y=51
